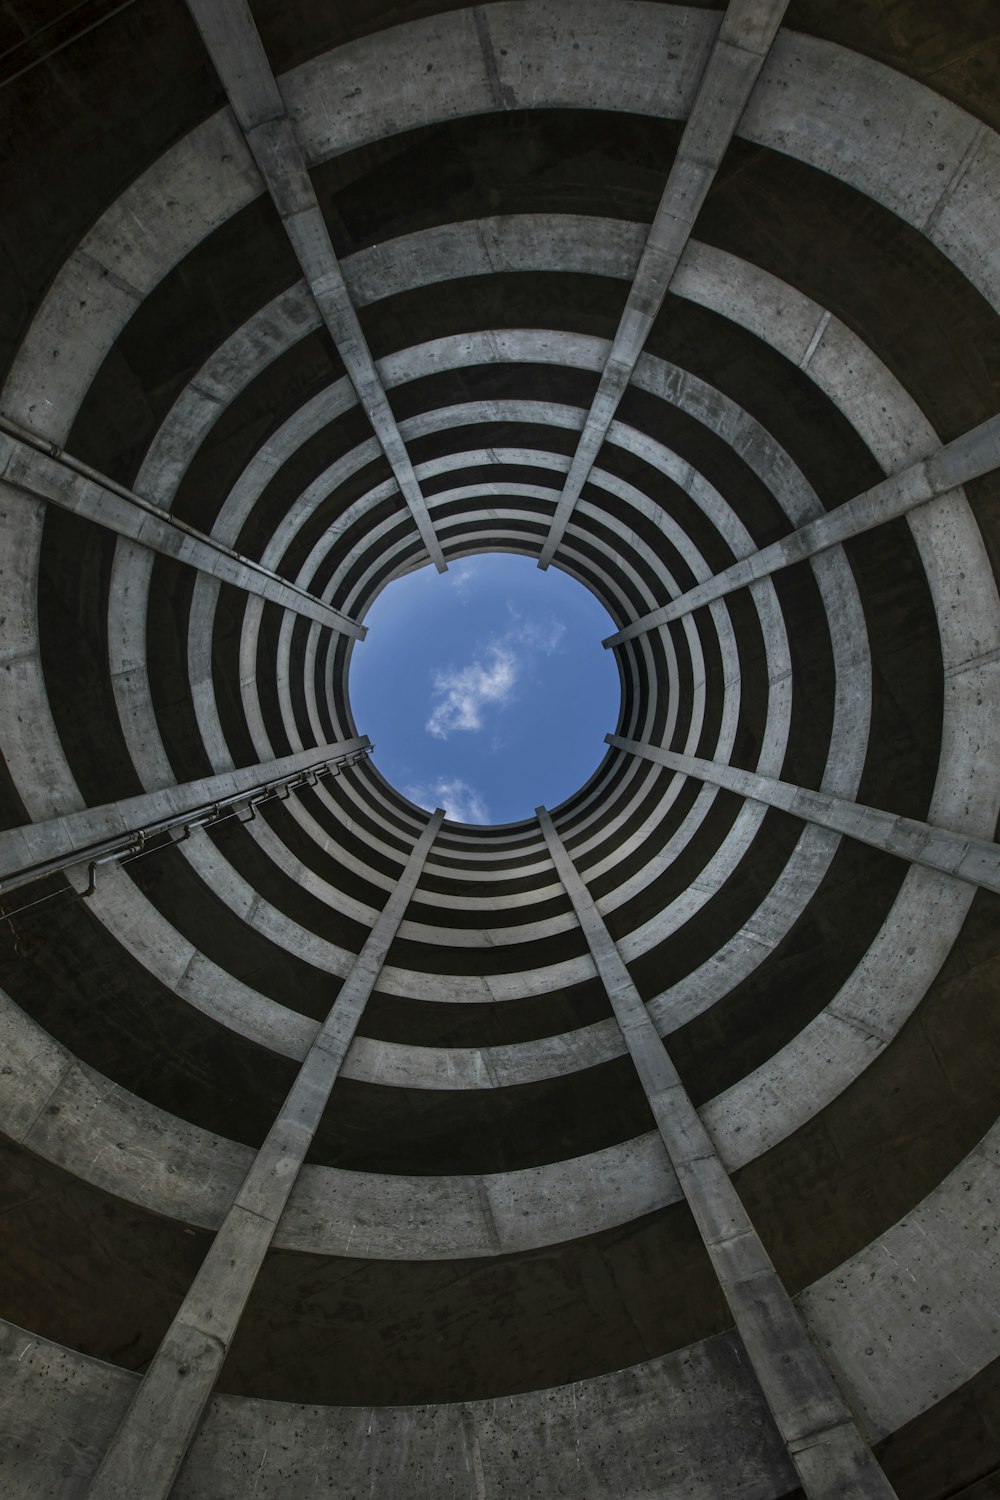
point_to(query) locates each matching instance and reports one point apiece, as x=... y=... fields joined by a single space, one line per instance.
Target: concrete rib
x=233 y=43
x=745 y=37
x=823 y=1440
x=21 y=849
x=149 y=1447
x=962 y=855
x=27 y=465
x=967 y=457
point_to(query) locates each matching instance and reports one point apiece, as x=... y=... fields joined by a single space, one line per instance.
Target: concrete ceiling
x=461 y=280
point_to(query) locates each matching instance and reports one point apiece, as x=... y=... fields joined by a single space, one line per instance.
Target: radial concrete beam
x=976 y=861
x=831 y=1457
x=227 y=28
x=38 y=848
x=37 y=468
x=744 y=40
x=975 y=452
x=148 y=1449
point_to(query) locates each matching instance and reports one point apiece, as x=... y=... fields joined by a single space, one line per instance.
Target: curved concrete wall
x=487 y=1278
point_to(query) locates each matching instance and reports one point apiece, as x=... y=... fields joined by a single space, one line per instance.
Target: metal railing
x=164 y=833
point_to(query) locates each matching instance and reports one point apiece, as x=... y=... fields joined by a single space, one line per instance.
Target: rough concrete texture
x=699 y=304
x=150 y=1445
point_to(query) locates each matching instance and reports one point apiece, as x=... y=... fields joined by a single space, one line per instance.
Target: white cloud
x=460 y=575
x=538 y=635
x=491 y=677
x=461 y=802
x=463 y=692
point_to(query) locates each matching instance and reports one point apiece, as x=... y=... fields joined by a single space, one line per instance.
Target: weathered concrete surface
x=231 y=38
x=26 y=468
x=60 y=1408
x=819 y=1431
x=59 y=1413
x=968 y=457
x=152 y=1441
x=39 y=843
x=578 y=1440
x=872 y=1299
x=942 y=849
x=747 y=32
x=80 y=1121
x=180 y=337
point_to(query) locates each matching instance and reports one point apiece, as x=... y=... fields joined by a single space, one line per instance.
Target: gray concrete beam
x=34 y=466
x=974 y=860
x=823 y=1440
x=73 y=838
x=975 y=452
x=234 y=45
x=744 y=40
x=149 y=1447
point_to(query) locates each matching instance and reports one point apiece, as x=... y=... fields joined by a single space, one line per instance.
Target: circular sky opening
x=486 y=690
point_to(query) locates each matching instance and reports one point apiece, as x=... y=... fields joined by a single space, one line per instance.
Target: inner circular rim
x=353 y=728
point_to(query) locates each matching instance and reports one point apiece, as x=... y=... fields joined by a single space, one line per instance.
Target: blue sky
x=486 y=690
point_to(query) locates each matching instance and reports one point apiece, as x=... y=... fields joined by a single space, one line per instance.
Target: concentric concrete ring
x=488 y=1253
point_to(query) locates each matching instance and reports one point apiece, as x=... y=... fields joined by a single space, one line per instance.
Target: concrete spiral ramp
x=699 y=305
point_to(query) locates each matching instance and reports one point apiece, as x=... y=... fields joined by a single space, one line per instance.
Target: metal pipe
x=123 y=846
